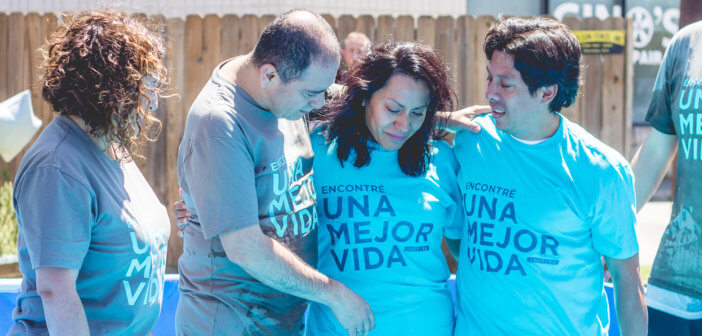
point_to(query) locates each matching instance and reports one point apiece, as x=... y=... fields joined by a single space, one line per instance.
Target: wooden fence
x=197 y=44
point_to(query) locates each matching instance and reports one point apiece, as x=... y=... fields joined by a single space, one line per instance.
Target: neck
x=544 y=125
x=242 y=72
x=100 y=141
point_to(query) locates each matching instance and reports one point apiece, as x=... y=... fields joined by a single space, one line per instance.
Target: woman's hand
x=463 y=119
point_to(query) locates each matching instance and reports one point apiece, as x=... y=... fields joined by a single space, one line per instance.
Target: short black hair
x=291 y=47
x=545 y=53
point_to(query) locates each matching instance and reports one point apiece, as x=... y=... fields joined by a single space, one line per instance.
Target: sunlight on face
x=397 y=110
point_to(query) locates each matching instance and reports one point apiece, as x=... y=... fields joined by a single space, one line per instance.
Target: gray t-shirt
x=238 y=166
x=675 y=109
x=78 y=209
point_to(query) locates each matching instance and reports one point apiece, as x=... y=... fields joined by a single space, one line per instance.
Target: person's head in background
x=356 y=46
x=390 y=101
x=106 y=69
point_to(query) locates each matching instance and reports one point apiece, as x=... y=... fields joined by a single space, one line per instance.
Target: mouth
x=497 y=112
x=396 y=138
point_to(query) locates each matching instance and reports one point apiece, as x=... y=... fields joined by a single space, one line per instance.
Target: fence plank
x=426 y=31
x=229 y=39
x=211 y=44
x=591 y=117
x=629 y=90
x=264 y=21
x=249 y=33
x=445 y=43
x=34 y=40
x=17 y=69
x=16 y=63
x=157 y=150
x=366 y=24
x=612 y=85
x=176 y=112
x=49 y=24
x=482 y=25
x=574 y=112
x=467 y=50
x=386 y=29
x=331 y=20
x=405 y=30
x=4 y=54
x=345 y=25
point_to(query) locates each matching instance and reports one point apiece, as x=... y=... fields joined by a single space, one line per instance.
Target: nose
x=154 y=103
x=402 y=121
x=491 y=93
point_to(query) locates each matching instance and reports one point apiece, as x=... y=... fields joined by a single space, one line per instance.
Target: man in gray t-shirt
x=245 y=167
x=674 y=294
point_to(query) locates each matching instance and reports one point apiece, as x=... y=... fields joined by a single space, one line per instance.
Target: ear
x=267 y=75
x=548 y=93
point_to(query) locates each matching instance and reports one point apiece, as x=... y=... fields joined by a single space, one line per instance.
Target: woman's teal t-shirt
x=380 y=234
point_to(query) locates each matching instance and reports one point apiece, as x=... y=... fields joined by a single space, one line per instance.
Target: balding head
x=356 y=46
x=293 y=41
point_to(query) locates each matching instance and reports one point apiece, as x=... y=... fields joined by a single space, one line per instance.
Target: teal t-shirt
x=78 y=209
x=538 y=218
x=380 y=234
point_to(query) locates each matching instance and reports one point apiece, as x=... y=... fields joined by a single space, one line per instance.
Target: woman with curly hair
x=92 y=233
x=386 y=192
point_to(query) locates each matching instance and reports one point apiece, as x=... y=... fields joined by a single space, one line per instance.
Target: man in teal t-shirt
x=543 y=199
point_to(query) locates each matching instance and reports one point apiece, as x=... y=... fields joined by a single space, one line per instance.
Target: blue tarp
x=9 y=288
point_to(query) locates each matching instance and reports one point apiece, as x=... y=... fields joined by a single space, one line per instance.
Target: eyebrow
x=403 y=106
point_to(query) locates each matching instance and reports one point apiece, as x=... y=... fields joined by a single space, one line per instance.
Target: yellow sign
x=601 y=41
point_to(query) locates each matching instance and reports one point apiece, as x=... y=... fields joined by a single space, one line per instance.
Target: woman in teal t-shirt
x=386 y=193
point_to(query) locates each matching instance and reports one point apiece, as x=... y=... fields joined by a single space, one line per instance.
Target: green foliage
x=8 y=221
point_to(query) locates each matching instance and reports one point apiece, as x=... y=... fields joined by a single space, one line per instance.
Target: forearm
x=631 y=309
x=277 y=267
x=650 y=164
x=280 y=268
x=64 y=313
x=629 y=298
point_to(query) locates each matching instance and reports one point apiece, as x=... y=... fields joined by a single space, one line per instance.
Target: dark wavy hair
x=545 y=53
x=94 y=68
x=345 y=120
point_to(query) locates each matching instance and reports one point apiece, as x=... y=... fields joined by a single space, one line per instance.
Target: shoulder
x=487 y=131
x=591 y=152
x=691 y=30
x=440 y=151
